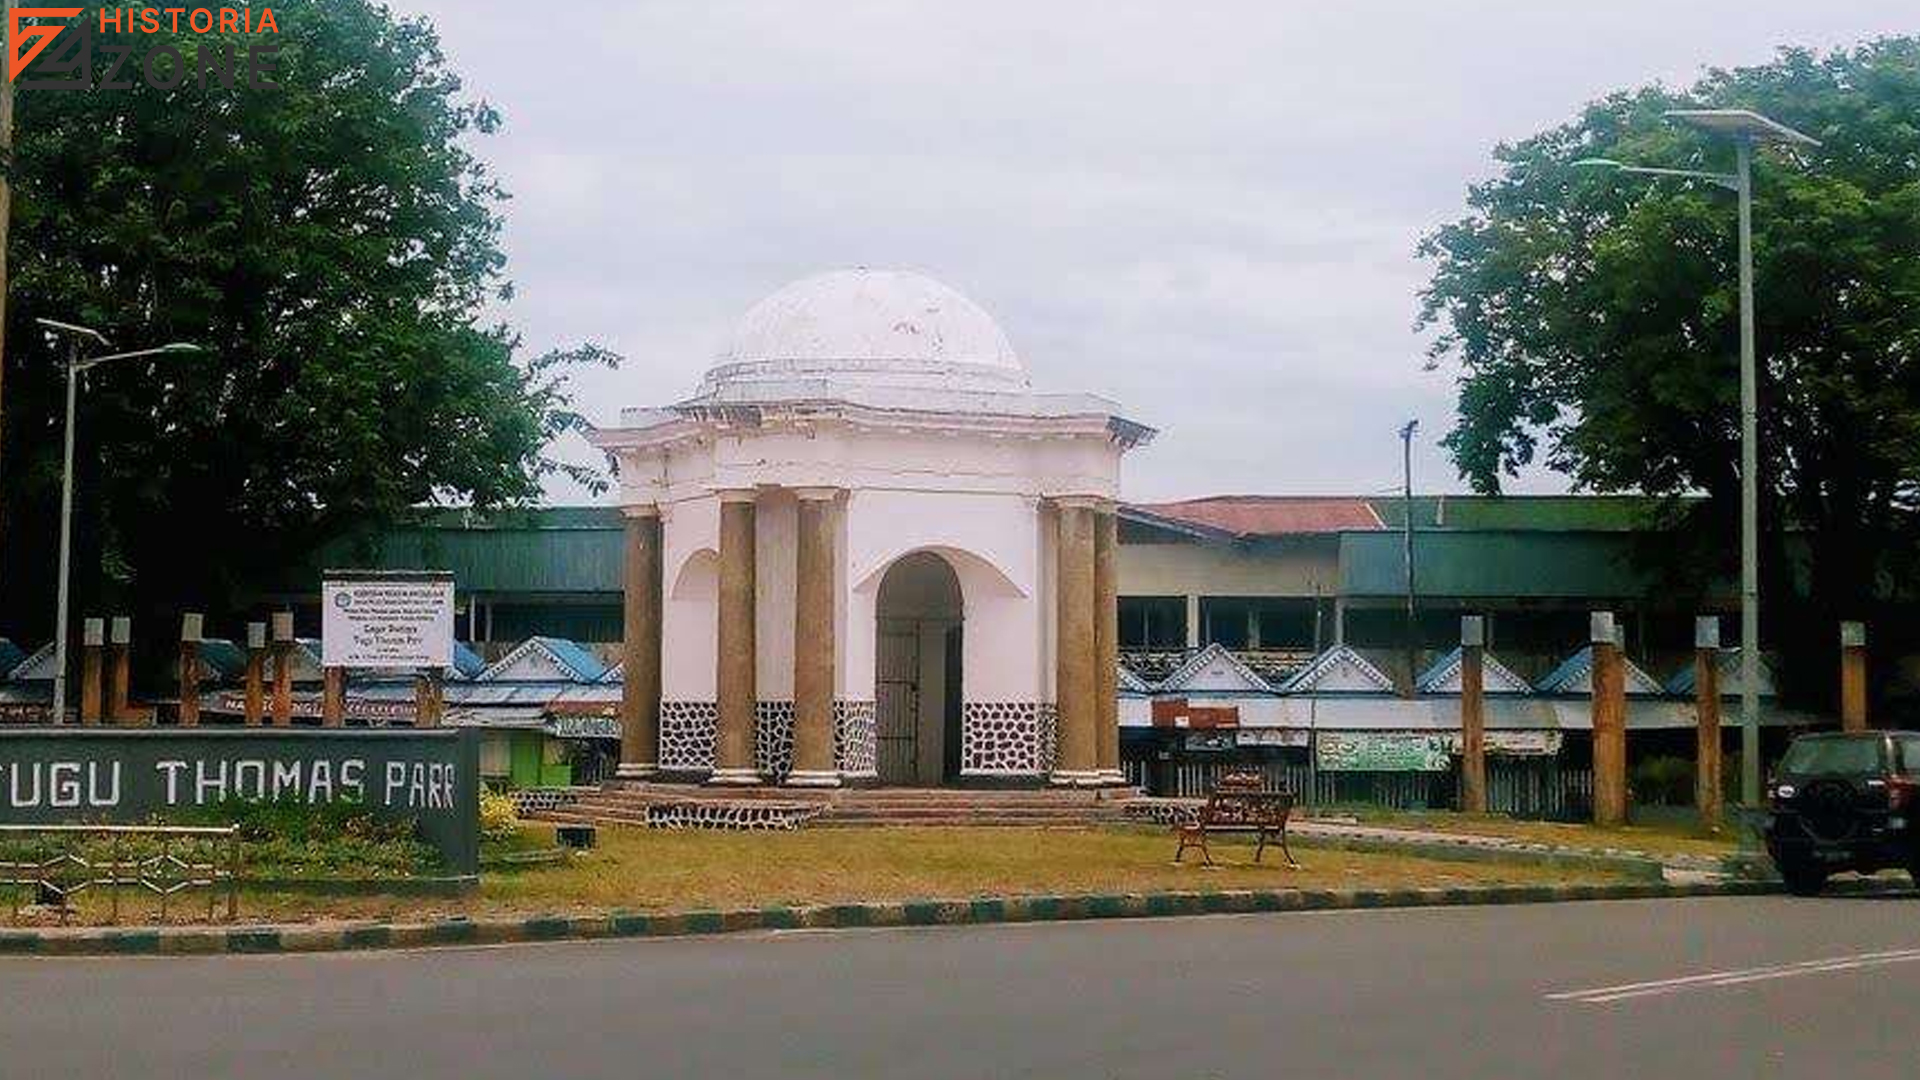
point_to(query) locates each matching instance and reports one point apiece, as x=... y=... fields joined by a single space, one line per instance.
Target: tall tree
x=1593 y=317
x=333 y=243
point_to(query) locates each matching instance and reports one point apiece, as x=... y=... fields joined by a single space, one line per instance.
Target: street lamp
x=76 y=366
x=1745 y=130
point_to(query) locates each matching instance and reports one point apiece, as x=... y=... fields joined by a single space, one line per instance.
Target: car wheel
x=1803 y=879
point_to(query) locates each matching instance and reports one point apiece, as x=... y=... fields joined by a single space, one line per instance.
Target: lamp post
x=1745 y=130
x=77 y=366
x=1406 y=537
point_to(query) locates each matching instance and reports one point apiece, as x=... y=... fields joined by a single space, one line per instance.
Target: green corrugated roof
x=554 y=549
x=1512 y=563
x=1530 y=513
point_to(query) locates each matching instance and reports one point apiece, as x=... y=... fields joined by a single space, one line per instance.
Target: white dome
x=891 y=328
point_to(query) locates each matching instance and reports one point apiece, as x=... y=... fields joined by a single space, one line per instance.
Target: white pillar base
x=735 y=778
x=638 y=770
x=1063 y=778
x=824 y=778
x=1113 y=778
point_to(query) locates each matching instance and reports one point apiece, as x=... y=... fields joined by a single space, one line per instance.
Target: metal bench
x=1239 y=803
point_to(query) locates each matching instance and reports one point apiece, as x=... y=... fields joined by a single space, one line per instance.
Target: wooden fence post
x=282 y=669
x=1707 y=796
x=1473 y=718
x=119 y=669
x=93 y=642
x=1609 y=707
x=190 y=625
x=256 y=685
x=1853 y=676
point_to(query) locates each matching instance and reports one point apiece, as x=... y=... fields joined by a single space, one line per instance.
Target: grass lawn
x=1651 y=839
x=646 y=870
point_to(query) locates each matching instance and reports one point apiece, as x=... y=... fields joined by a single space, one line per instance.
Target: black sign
x=50 y=776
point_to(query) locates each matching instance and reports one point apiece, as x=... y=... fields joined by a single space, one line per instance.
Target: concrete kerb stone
x=302 y=938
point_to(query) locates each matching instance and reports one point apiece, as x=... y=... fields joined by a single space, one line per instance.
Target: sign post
x=391 y=619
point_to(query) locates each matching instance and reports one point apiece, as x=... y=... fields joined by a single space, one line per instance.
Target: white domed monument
x=866 y=550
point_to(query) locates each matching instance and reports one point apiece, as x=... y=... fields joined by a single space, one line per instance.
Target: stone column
x=1706 y=711
x=1609 y=723
x=1473 y=715
x=1853 y=676
x=813 y=642
x=1106 y=642
x=737 y=655
x=640 y=646
x=1074 y=647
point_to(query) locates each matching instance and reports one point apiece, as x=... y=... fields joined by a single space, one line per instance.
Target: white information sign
x=387 y=621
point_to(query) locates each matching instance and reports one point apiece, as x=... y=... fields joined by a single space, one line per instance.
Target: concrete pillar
x=1074 y=646
x=1609 y=702
x=640 y=645
x=119 y=669
x=256 y=683
x=283 y=669
x=737 y=654
x=813 y=642
x=1193 y=622
x=93 y=644
x=1707 y=800
x=1853 y=676
x=190 y=626
x=1106 y=642
x=333 y=696
x=1473 y=716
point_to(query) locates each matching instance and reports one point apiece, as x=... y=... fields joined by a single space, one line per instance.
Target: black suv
x=1845 y=802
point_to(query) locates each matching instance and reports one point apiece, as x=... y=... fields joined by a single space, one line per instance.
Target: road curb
x=302 y=938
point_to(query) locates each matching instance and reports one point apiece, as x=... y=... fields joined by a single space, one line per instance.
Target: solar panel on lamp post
x=1745 y=130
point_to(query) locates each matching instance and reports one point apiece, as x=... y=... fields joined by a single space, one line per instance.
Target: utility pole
x=6 y=220
x=1406 y=478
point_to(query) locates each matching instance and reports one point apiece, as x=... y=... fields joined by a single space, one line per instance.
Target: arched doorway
x=917 y=672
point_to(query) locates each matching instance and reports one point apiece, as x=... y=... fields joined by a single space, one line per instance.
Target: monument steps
x=628 y=803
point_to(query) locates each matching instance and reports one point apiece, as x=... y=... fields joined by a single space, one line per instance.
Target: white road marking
x=1601 y=995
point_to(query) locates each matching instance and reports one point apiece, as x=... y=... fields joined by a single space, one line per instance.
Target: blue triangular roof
x=1574 y=676
x=467 y=663
x=10 y=656
x=222 y=659
x=1444 y=676
x=1681 y=684
x=573 y=661
x=1339 y=670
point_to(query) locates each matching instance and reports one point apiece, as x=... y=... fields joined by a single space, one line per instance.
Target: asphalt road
x=1691 y=988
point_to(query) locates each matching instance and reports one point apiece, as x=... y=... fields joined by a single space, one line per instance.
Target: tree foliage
x=333 y=243
x=1593 y=316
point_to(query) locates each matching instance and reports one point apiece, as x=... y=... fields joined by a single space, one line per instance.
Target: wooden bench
x=1239 y=803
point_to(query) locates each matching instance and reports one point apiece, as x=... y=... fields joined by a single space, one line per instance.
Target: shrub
x=499 y=821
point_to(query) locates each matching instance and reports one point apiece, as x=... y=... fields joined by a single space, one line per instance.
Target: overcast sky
x=1206 y=211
